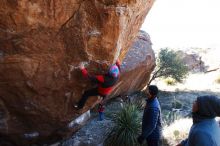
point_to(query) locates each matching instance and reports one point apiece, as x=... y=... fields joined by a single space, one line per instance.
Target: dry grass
x=170 y=81
x=177 y=131
x=194 y=82
x=218 y=79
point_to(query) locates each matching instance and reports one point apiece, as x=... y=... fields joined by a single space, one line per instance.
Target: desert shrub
x=176 y=104
x=176 y=133
x=127 y=127
x=170 y=81
x=169 y=117
x=169 y=64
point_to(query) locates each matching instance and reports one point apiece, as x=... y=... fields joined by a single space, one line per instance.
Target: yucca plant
x=127 y=127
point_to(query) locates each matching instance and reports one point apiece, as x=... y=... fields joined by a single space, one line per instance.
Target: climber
x=104 y=83
x=101 y=109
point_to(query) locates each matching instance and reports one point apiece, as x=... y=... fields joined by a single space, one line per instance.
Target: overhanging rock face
x=137 y=66
x=41 y=46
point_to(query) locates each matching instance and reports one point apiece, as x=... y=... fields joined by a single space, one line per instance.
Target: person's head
x=101 y=105
x=152 y=91
x=114 y=71
x=207 y=106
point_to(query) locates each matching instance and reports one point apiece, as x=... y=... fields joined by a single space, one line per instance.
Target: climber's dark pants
x=86 y=95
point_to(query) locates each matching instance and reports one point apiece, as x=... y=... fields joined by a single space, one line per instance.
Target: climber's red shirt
x=105 y=82
x=101 y=109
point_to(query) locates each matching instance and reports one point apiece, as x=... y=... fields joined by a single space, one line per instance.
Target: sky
x=184 y=24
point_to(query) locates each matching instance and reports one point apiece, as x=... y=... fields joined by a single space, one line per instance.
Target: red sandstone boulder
x=41 y=46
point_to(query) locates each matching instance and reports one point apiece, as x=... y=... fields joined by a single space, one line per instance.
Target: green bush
x=127 y=127
x=169 y=64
